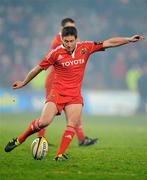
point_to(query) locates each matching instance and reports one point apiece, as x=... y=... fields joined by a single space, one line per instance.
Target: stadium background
x=27 y=28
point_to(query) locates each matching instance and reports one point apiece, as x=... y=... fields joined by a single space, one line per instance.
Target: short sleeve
x=94 y=46
x=47 y=60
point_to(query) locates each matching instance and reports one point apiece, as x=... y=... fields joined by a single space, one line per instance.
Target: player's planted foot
x=88 y=141
x=11 y=145
x=61 y=157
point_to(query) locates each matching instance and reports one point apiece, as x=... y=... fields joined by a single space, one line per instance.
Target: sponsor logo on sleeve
x=83 y=51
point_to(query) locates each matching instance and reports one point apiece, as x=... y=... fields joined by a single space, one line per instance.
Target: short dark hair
x=67 y=31
x=66 y=20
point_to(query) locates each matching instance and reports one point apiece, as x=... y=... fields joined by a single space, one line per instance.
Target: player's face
x=69 y=43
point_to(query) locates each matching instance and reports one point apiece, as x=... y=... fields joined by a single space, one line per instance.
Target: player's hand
x=17 y=84
x=136 y=38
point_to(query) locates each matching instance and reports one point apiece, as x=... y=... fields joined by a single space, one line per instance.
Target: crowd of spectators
x=27 y=28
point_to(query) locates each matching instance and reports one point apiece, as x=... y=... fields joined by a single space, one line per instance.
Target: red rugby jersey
x=48 y=82
x=56 y=41
x=69 y=68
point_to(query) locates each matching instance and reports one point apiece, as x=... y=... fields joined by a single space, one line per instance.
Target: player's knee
x=44 y=122
x=42 y=125
x=72 y=122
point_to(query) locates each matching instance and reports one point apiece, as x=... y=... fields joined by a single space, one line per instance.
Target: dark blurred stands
x=27 y=28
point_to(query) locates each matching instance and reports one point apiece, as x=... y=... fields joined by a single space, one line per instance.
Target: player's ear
x=61 y=28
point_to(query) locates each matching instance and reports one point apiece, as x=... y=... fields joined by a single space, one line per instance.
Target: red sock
x=80 y=134
x=41 y=132
x=66 y=139
x=33 y=127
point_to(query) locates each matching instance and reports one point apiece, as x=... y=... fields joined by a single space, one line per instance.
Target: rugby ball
x=39 y=148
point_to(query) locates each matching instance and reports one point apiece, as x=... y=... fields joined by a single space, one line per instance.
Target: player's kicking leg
x=33 y=128
x=48 y=113
x=11 y=145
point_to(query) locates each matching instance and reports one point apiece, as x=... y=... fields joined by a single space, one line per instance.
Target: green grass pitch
x=120 y=154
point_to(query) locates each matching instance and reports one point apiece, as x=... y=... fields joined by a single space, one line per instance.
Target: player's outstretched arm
x=119 y=41
x=34 y=72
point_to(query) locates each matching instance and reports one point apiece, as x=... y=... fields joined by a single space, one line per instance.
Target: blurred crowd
x=27 y=28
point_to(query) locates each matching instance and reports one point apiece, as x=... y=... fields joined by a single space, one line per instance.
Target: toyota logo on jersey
x=73 y=62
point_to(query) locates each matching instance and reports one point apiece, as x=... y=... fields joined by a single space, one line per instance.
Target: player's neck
x=69 y=52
